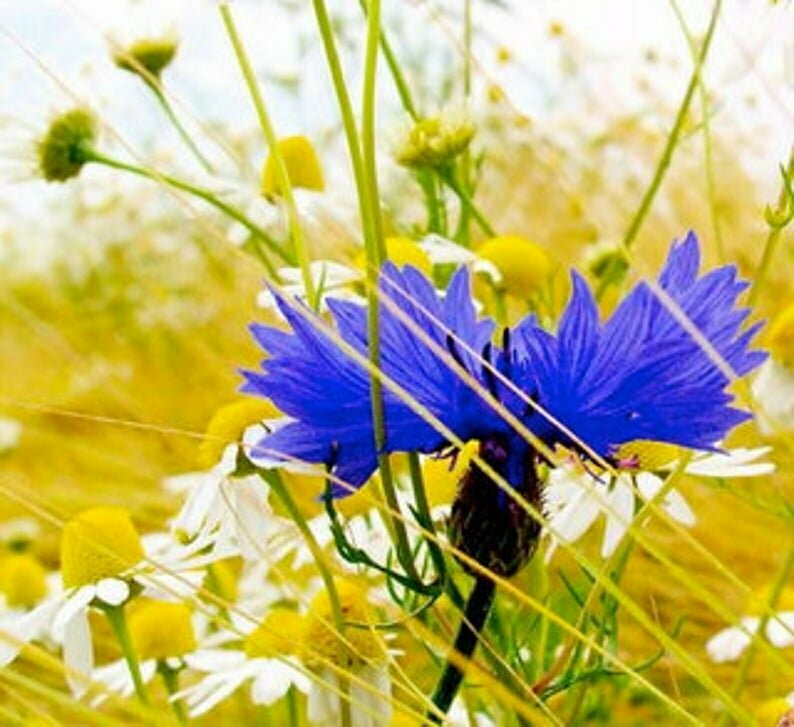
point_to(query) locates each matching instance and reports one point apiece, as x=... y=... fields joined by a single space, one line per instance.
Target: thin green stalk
x=118 y=624
x=464 y=232
x=293 y=712
x=170 y=679
x=783 y=577
x=373 y=239
x=784 y=203
x=282 y=175
x=232 y=212
x=156 y=86
x=424 y=516
x=273 y=479
x=468 y=202
x=475 y=615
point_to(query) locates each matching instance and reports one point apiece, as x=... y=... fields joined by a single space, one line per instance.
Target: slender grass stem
x=273 y=479
x=467 y=200
x=170 y=679
x=118 y=624
x=775 y=230
x=232 y=212
x=424 y=516
x=464 y=231
x=282 y=175
x=156 y=87
x=475 y=615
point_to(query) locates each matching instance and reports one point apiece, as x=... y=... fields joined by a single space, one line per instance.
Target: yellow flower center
x=22 y=580
x=401 y=251
x=98 y=543
x=302 y=164
x=278 y=635
x=443 y=475
x=780 y=337
x=228 y=424
x=322 y=642
x=643 y=454
x=160 y=630
x=524 y=265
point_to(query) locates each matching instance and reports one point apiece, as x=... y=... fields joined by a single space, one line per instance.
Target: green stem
x=475 y=615
x=424 y=517
x=171 y=680
x=273 y=480
x=362 y=157
x=464 y=232
x=775 y=232
x=206 y=195
x=156 y=87
x=282 y=175
x=118 y=623
x=468 y=202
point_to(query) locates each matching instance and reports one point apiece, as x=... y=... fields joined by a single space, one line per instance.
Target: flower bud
x=63 y=150
x=22 y=580
x=147 y=56
x=302 y=164
x=434 y=142
x=522 y=264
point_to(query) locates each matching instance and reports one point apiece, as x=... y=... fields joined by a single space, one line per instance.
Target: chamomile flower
x=522 y=266
x=575 y=499
x=590 y=388
x=434 y=141
x=730 y=643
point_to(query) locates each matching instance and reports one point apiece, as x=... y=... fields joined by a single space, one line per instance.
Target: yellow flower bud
x=320 y=638
x=434 y=141
x=147 y=55
x=160 y=630
x=780 y=336
x=98 y=543
x=524 y=265
x=303 y=167
x=22 y=580
x=278 y=635
x=646 y=454
x=63 y=150
x=228 y=424
x=442 y=475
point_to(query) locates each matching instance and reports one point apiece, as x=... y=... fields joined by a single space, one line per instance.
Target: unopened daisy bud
x=302 y=163
x=161 y=630
x=434 y=142
x=523 y=265
x=22 y=580
x=65 y=147
x=489 y=524
x=147 y=55
x=228 y=424
x=278 y=635
x=642 y=454
x=780 y=337
x=98 y=543
x=606 y=258
x=402 y=251
x=322 y=642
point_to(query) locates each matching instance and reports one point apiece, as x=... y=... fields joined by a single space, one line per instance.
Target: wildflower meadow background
x=396 y=362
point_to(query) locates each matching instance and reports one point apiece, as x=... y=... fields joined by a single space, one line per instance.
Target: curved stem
x=156 y=87
x=171 y=680
x=204 y=194
x=475 y=615
x=118 y=624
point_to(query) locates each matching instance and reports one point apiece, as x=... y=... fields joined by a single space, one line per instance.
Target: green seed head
x=434 y=142
x=147 y=56
x=63 y=150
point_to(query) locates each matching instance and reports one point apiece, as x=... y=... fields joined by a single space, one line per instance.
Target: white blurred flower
x=10 y=431
x=773 y=388
x=328 y=277
x=730 y=643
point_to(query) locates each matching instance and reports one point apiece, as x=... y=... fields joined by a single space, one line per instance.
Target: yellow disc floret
x=442 y=475
x=98 y=543
x=160 y=630
x=401 y=251
x=22 y=580
x=434 y=141
x=228 y=424
x=321 y=639
x=643 y=454
x=522 y=264
x=780 y=337
x=302 y=165
x=278 y=635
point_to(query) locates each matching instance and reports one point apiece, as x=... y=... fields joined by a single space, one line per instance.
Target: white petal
x=576 y=518
x=780 y=630
x=112 y=591
x=75 y=602
x=648 y=484
x=272 y=684
x=729 y=644
x=78 y=653
x=619 y=514
x=371 y=707
x=735 y=463
x=677 y=508
x=18 y=630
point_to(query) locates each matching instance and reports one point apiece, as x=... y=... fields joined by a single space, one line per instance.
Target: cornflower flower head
x=590 y=387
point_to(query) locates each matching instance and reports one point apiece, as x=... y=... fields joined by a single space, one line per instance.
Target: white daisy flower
x=575 y=500
x=730 y=643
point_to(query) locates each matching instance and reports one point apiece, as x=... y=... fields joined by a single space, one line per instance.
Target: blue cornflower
x=591 y=386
